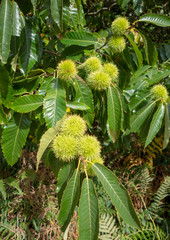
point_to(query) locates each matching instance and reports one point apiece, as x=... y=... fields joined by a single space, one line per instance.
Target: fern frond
x=148 y=233
x=107 y=228
x=142 y=180
x=10 y=230
x=6 y=230
x=163 y=192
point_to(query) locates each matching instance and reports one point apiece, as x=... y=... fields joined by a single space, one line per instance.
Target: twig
x=52 y=53
x=56 y=54
x=81 y=80
x=100 y=10
x=101 y=46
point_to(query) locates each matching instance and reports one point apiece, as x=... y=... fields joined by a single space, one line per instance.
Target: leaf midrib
x=73 y=188
x=79 y=40
x=89 y=206
x=28 y=104
x=112 y=104
x=138 y=116
x=3 y=35
x=16 y=136
x=113 y=190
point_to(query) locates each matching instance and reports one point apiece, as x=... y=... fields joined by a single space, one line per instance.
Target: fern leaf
x=148 y=233
x=163 y=192
x=108 y=229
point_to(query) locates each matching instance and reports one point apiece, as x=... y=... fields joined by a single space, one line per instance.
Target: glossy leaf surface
x=69 y=200
x=77 y=106
x=140 y=117
x=46 y=139
x=64 y=175
x=5 y=29
x=79 y=38
x=156 y=123
x=84 y=95
x=118 y=194
x=167 y=125
x=14 y=137
x=29 y=51
x=27 y=103
x=88 y=212
x=157 y=19
x=16 y=20
x=60 y=13
x=136 y=49
x=54 y=105
x=114 y=112
x=150 y=49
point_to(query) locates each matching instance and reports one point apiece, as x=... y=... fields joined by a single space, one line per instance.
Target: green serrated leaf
x=118 y=194
x=32 y=75
x=114 y=112
x=138 y=97
x=155 y=123
x=150 y=49
x=79 y=38
x=73 y=50
x=60 y=12
x=137 y=51
x=77 y=106
x=29 y=51
x=69 y=200
x=54 y=105
x=85 y=96
x=3 y=118
x=125 y=111
x=5 y=29
x=27 y=103
x=43 y=88
x=46 y=139
x=138 y=74
x=158 y=76
x=167 y=126
x=16 y=20
x=14 y=137
x=88 y=212
x=34 y=3
x=5 y=84
x=140 y=117
x=64 y=175
x=157 y=19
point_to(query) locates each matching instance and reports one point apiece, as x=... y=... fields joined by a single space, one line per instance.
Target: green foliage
x=147 y=233
x=108 y=229
x=5 y=29
x=54 y=106
x=118 y=195
x=26 y=104
x=88 y=212
x=157 y=19
x=50 y=42
x=69 y=200
x=10 y=229
x=161 y=194
x=14 y=137
x=46 y=140
x=2 y=189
